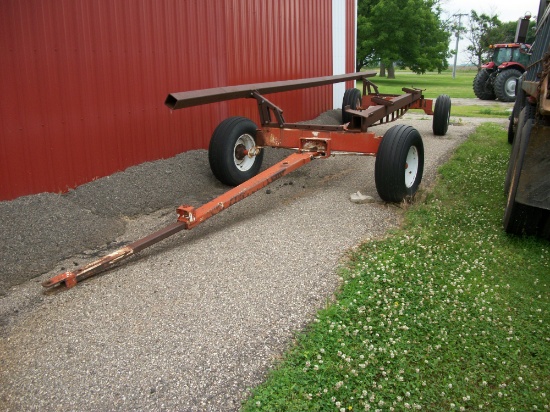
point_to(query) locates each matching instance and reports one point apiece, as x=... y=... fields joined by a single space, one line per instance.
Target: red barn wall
x=83 y=82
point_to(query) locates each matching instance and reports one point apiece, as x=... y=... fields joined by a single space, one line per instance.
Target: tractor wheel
x=442 y=115
x=505 y=85
x=399 y=164
x=511 y=129
x=527 y=113
x=514 y=153
x=520 y=219
x=518 y=107
x=352 y=98
x=482 y=87
x=228 y=153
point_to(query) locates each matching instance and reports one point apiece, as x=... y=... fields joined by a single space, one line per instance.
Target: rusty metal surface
x=70 y=279
x=193 y=217
x=381 y=108
x=340 y=140
x=175 y=101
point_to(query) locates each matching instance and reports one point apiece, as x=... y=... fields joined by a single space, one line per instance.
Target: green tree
x=480 y=32
x=485 y=30
x=409 y=33
x=506 y=32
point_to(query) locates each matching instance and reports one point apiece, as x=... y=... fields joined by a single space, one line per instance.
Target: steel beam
x=176 y=101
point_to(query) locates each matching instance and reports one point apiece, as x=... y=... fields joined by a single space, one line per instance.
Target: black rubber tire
x=513 y=155
x=511 y=129
x=518 y=107
x=483 y=89
x=233 y=133
x=519 y=219
x=505 y=85
x=527 y=113
x=442 y=115
x=352 y=98
x=400 y=146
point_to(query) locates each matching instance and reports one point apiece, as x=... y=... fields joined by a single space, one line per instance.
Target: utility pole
x=457 y=34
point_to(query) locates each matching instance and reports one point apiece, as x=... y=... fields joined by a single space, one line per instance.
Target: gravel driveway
x=193 y=322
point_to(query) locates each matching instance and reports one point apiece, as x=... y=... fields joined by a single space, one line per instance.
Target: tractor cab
x=505 y=55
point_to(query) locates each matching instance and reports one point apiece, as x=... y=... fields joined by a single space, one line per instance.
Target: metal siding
x=84 y=81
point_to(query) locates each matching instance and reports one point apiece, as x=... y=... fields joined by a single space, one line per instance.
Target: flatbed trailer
x=237 y=145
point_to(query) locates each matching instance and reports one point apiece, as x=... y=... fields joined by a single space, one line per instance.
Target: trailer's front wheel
x=442 y=115
x=399 y=163
x=232 y=153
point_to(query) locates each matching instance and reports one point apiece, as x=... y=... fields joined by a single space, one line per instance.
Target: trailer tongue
x=236 y=149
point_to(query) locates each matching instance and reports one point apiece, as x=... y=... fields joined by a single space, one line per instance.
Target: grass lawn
x=457 y=112
x=447 y=313
x=481 y=111
x=434 y=83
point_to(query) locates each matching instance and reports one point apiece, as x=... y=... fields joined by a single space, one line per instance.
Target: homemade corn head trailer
x=236 y=149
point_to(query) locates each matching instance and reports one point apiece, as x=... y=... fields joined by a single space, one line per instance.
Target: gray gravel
x=193 y=322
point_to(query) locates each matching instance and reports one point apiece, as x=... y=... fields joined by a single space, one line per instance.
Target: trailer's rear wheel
x=399 y=163
x=352 y=98
x=232 y=151
x=442 y=115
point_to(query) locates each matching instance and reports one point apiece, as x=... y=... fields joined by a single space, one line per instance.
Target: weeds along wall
x=84 y=81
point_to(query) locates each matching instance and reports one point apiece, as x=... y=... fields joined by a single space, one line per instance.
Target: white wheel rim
x=510 y=86
x=411 y=166
x=246 y=162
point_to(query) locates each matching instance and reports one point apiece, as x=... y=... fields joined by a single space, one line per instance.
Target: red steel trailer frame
x=234 y=154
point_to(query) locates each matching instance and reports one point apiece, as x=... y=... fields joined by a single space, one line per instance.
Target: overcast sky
x=506 y=10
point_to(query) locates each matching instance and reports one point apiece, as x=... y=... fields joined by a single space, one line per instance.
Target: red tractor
x=497 y=79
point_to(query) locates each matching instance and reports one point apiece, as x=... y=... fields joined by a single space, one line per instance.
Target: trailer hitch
x=188 y=218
